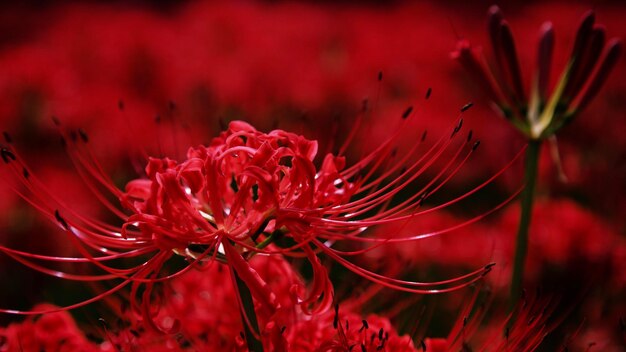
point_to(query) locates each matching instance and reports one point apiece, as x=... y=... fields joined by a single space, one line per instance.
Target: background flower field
x=151 y=74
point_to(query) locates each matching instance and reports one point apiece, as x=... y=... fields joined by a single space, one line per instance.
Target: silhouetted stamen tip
x=120 y=105
x=7 y=137
x=457 y=128
x=469 y=135
x=467 y=106
x=83 y=135
x=7 y=155
x=423 y=344
x=56 y=121
x=25 y=173
x=282 y=330
x=476 y=144
x=489 y=266
x=381 y=334
x=428 y=92
x=407 y=112
x=380 y=76
x=60 y=220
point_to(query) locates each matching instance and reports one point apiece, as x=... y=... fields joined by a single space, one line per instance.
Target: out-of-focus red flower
x=50 y=332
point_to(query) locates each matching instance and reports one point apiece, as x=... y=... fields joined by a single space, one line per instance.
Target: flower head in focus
x=541 y=114
x=247 y=193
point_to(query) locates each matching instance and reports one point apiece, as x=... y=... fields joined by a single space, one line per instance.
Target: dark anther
x=365 y=324
x=56 y=121
x=255 y=192
x=60 y=220
x=7 y=155
x=242 y=335
x=7 y=137
x=466 y=107
x=458 y=126
x=282 y=330
x=464 y=321
x=381 y=334
x=428 y=92
x=134 y=332
x=363 y=348
x=25 y=173
x=380 y=76
x=476 y=144
x=469 y=135
x=83 y=135
x=423 y=343
x=507 y=331
x=424 y=136
x=120 y=105
x=407 y=112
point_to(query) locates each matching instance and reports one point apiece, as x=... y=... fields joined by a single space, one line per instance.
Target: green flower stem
x=521 y=246
x=254 y=345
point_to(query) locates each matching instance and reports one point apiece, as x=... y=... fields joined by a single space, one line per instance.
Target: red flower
x=248 y=193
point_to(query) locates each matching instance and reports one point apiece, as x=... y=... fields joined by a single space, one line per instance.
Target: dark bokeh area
x=162 y=76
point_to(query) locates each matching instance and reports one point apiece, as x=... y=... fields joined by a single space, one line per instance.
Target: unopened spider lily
x=540 y=114
x=247 y=193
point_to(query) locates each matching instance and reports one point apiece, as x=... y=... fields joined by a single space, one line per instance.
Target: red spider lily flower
x=246 y=193
x=539 y=115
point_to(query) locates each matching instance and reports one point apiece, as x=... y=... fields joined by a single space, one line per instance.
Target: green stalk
x=254 y=345
x=521 y=246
